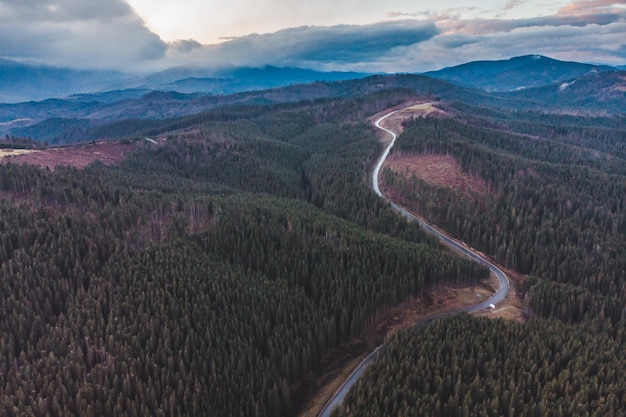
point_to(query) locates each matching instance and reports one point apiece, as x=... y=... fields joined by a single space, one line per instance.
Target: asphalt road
x=499 y=296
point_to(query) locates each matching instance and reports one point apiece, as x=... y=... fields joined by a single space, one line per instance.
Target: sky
x=346 y=35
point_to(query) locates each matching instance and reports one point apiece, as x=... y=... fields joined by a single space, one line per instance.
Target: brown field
x=436 y=169
x=79 y=156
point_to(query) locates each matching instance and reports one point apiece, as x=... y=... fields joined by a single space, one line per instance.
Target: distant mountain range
x=21 y=82
x=516 y=73
x=592 y=93
x=235 y=80
x=25 y=82
x=578 y=88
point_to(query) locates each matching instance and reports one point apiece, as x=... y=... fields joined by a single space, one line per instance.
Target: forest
x=211 y=271
x=465 y=366
x=556 y=206
x=554 y=210
x=207 y=275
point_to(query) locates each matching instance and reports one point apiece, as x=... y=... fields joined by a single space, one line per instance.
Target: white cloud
x=110 y=34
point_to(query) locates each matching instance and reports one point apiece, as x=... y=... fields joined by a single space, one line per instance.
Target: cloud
x=487 y=26
x=65 y=10
x=586 y=31
x=585 y=7
x=317 y=47
x=185 y=45
x=342 y=43
x=110 y=34
x=511 y=4
x=584 y=43
x=106 y=33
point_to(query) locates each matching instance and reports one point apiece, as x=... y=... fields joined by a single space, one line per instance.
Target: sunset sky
x=360 y=35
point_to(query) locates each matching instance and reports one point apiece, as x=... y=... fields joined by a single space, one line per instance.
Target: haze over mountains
x=520 y=83
x=21 y=82
x=516 y=73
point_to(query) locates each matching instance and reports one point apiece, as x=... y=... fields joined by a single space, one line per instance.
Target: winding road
x=495 y=299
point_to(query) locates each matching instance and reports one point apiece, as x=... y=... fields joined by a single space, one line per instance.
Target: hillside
x=240 y=247
x=128 y=112
x=227 y=249
x=236 y=80
x=516 y=73
x=551 y=206
x=21 y=82
x=56 y=115
x=592 y=93
x=25 y=82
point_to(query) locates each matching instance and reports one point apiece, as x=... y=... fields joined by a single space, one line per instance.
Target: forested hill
x=152 y=105
x=208 y=274
x=553 y=206
x=477 y=367
x=93 y=116
x=603 y=92
x=519 y=73
x=213 y=269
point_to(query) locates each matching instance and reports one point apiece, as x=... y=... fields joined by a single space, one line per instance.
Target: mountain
x=109 y=96
x=597 y=92
x=20 y=82
x=147 y=104
x=24 y=82
x=593 y=93
x=234 y=80
x=515 y=73
x=56 y=120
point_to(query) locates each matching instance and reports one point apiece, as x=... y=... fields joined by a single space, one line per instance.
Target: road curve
x=496 y=298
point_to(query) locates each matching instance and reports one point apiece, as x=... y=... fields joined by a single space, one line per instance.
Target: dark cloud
x=66 y=10
x=486 y=26
x=337 y=44
x=185 y=45
x=103 y=33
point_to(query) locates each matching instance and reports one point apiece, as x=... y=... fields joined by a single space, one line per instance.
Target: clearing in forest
x=436 y=169
x=4 y=153
x=78 y=156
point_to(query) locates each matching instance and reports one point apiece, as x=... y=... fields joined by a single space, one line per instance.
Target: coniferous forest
x=206 y=274
x=210 y=271
x=555 y=209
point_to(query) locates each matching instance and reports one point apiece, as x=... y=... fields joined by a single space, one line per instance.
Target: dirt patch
x=436 y=169
x=79 y=156
x=4 y=153
x=407 y=111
